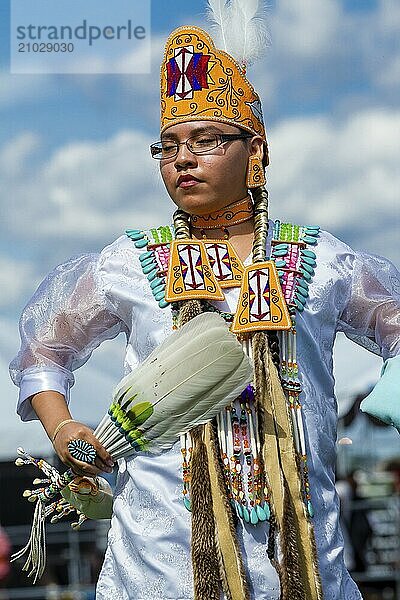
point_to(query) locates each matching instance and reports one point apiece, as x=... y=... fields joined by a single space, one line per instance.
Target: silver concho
x=82 y=450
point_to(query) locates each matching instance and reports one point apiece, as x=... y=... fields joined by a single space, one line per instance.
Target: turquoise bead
x=281 y=247
x=143 y=257
x=141 y=243
x=305 y=274
x=187 y=504
x=253 y=516
x=301 y=292
x=160 y=295
x=307 y=252
x=303 y=284
x=132 y=231
x=308 y=261
x=300 y=298
x=310 y=509
x=136 y=236
x=163 y=303
x=307 y=268
x=281 y=273
x=152 y=275
x=156 y=282
x=313 y=228
x=246 y=515
x=280 y=264
x=239 y=510
x=149 y=268
x=149 y=261
x=261 y=514
x=279 y=252
x=309 y=240
x=159 y=287
x=298 y=305
x=267 y=510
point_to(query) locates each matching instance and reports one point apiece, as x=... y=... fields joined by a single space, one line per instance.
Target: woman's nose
x=184 y=156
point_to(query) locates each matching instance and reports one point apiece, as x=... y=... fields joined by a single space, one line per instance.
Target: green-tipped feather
x=186 y=381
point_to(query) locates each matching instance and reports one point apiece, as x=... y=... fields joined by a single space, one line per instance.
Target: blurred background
x=75 y=172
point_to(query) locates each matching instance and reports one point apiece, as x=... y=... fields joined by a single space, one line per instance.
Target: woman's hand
x=52 y=410
x=78 y=431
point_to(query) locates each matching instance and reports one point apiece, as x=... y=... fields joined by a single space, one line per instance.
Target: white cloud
x=26 y=89
x=389 y=77
x=341 y=175
x=15 y=154
x=322 y=55
x=16 y=280
x=88 y=189
x=306 y=29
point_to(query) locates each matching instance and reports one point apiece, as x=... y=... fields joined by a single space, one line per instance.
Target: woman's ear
x=259 y=148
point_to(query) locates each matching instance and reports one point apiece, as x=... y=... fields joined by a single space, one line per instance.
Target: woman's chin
x=195 y=205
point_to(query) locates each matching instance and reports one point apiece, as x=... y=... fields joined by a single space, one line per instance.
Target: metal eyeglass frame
x=223 y=138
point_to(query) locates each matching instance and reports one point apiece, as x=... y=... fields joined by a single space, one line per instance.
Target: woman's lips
x=187 y=181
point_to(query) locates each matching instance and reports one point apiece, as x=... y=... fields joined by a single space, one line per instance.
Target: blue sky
x=75 y=171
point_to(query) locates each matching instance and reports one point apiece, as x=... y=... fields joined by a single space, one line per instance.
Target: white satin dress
x=95 y=297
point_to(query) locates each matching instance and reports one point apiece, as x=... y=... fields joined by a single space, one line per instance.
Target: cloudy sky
x=75 y=170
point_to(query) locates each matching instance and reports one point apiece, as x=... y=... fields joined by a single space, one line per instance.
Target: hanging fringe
x=36 y=546
x=300 y=578
x=204 y=551
x=292 y=584
x=231 y=563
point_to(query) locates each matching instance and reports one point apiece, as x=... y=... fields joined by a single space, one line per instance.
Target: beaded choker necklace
x=235 y=213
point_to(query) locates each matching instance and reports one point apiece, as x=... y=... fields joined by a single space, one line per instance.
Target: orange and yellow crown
x=201 y=83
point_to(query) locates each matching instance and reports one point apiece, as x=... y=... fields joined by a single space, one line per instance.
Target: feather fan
x=186 y=381
x=239 y=26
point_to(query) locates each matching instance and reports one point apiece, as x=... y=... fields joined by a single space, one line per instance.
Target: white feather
x=188 y=379
x=241 y=27
x=206 y=406
x=218 y=15
x=203 y=330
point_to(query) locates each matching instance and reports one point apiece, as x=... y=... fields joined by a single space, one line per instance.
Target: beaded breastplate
x=295 y=262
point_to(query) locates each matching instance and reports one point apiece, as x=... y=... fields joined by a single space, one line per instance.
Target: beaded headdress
x=201 y=83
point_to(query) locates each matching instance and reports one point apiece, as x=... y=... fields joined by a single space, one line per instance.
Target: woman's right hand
x=78 y=431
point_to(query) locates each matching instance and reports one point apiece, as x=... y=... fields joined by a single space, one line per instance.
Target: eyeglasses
x=197 y=144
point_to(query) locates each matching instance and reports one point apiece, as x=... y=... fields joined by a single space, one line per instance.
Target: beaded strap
x=154 y=258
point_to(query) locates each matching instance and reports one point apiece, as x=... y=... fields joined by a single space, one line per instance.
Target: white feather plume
x=218 y=15
x=187 y=380
x=240 y=27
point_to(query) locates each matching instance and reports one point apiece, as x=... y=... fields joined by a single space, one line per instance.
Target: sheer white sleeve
x=372 y=313
x=66 y=319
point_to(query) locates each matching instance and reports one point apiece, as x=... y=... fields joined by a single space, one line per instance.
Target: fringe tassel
x=233 y=574
x=204 y=550
x=317 y=574
x=299 y=573
x=292 y=584
x=36 y=546
x=222 y=572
